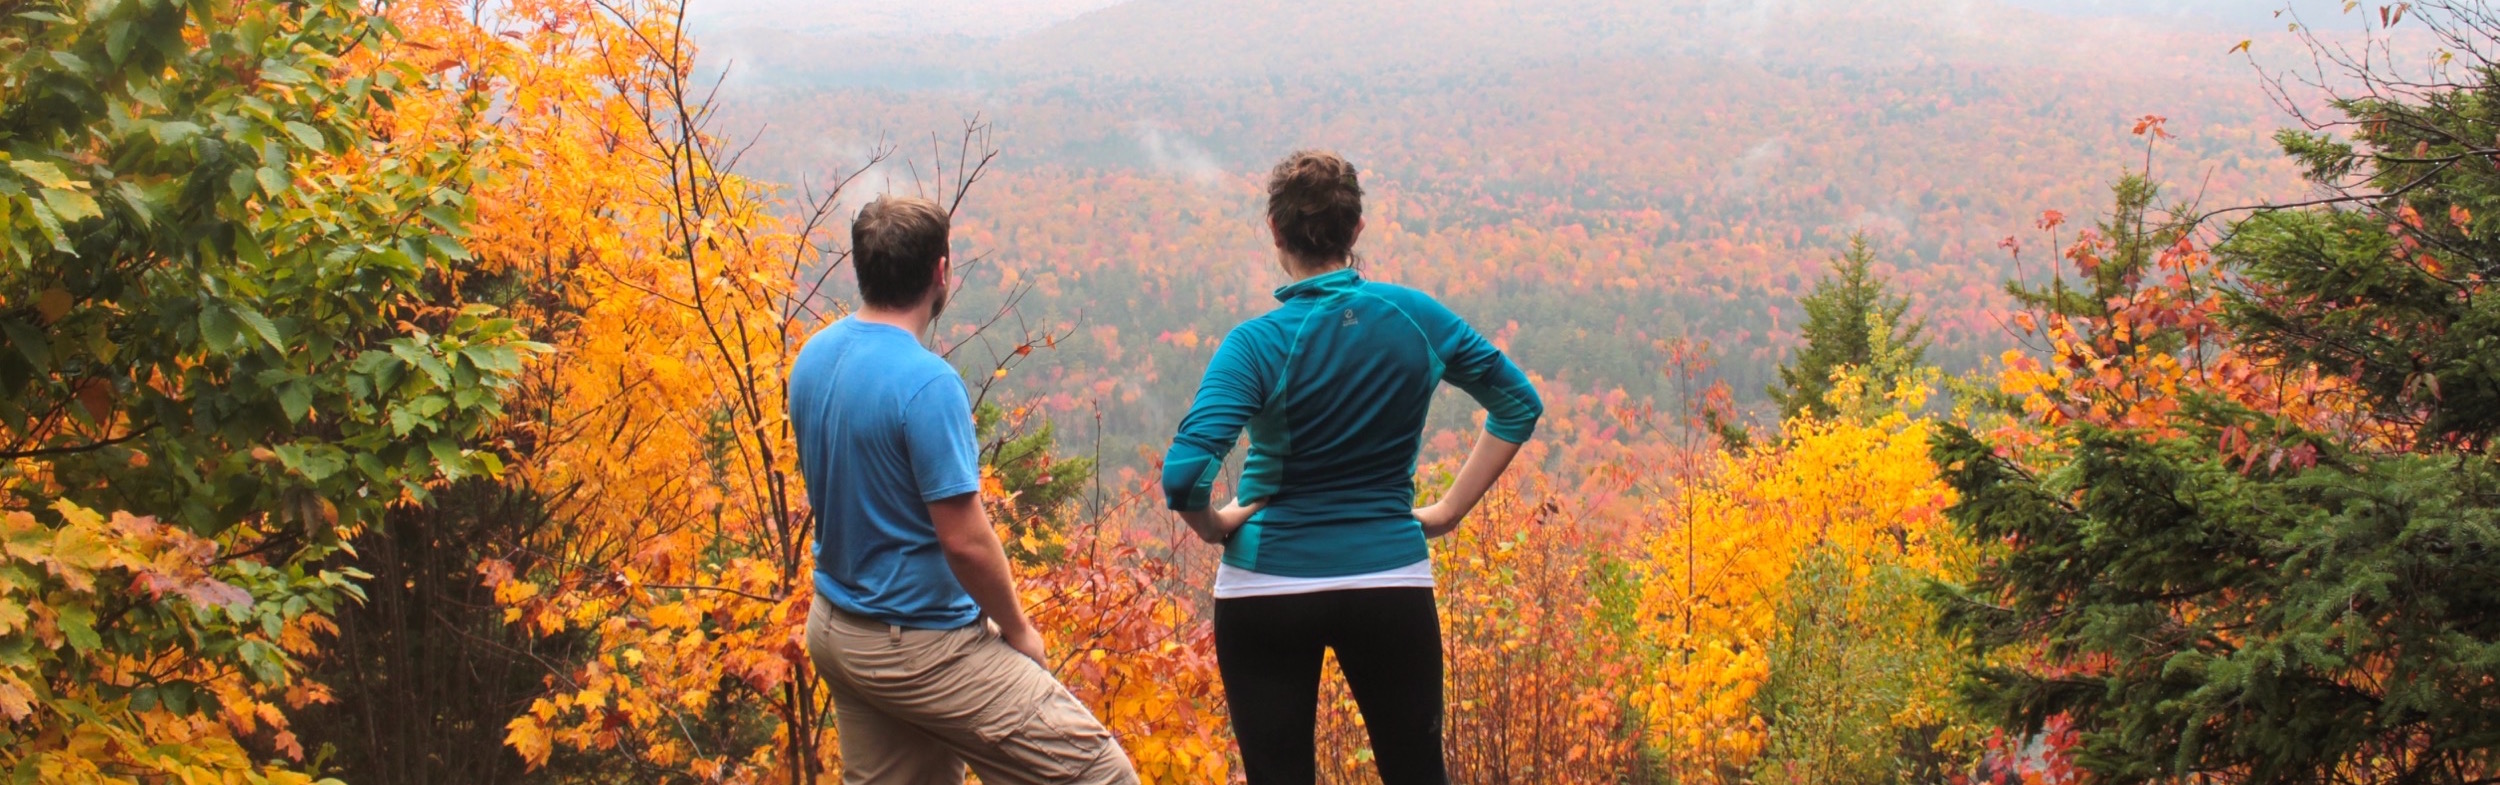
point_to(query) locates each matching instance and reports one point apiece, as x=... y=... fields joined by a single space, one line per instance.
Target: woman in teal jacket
x=1323 y=548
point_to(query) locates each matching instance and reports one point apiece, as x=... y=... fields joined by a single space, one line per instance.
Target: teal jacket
x=1333 y=386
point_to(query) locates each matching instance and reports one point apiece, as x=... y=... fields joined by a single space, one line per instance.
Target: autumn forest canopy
x=1943 y=391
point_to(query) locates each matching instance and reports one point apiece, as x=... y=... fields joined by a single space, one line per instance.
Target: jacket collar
x=1324 y=283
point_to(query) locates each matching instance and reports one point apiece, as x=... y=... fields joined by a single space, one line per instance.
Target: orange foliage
x=1537 y=663
x=676 y=292
x=1615 y=604
x=2137 y=359
x=1140 y=655
x=1621 y=198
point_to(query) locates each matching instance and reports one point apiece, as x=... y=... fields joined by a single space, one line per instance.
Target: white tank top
x=1233 y=582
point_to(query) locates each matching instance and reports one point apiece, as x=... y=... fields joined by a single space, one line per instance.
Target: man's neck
x=914 y=320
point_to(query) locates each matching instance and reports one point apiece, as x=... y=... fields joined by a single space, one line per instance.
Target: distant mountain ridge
x=885 y=18
x=1587 y=178
x=858 y=42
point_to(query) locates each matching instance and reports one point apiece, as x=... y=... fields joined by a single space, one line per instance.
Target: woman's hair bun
x=1315 y=199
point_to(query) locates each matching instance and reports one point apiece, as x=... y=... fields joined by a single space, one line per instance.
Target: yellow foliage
x=90 y=705
x=1719 y=565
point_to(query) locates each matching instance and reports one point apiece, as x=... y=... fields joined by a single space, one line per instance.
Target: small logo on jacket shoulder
x=1349 y=319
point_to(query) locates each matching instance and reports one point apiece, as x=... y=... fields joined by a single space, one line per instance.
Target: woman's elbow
x=1516 y=430
x=1519 y=423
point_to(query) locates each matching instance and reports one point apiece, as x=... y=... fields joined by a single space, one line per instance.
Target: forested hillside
x=1594 y=178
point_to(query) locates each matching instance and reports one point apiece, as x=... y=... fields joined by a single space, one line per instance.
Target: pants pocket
x=1055 y=737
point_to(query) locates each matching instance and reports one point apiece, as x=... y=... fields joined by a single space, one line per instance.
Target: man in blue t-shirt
x=916 y=628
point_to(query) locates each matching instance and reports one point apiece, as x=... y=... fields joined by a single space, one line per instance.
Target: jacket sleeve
x=1236 y=386
x=1471 y=363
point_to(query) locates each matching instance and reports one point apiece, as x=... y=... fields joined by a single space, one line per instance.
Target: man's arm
x=939 y=435
x=980 y=564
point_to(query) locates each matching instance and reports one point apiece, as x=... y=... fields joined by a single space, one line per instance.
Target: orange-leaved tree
x=661 y=588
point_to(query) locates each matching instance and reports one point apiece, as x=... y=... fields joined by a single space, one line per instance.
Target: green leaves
x=60 y=201
x=232 y=337
x=44 y=174
x=296 y=397
x=71 y=205
x=260 y=326
x=307 y=136
x=272 y=179
x=77 y=623
x=30 y=343
x=220 y=329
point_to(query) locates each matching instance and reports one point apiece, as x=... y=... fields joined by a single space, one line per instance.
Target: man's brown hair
x=1316 y=202
x=896 y=243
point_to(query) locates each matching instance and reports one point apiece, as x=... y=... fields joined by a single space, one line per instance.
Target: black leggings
x=1388 y=643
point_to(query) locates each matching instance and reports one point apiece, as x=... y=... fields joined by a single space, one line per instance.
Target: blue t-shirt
x=1333 y=387
x=884 y=428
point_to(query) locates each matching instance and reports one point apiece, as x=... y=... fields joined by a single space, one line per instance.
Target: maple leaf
x=526 y=737
x=17 y=702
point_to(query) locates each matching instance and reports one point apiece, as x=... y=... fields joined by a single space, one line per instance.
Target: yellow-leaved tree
x=1779 y=602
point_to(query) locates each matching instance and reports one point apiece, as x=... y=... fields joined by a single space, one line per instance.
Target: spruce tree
x=1032 y=470
x=2201 y=607
x=1843 y=314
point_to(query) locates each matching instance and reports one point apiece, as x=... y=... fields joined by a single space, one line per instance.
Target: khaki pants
x=914 y=707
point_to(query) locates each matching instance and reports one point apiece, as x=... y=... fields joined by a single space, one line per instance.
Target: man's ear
x=946 y=272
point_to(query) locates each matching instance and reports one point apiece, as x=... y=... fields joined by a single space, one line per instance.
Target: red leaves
x=52 y=305
x=178 y=565
x=493 y=572
x=159 y=559
x=95 y=396
x=2151 y=125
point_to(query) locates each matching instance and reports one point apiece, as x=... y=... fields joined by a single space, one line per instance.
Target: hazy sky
x=998 y=18
x=986 y=18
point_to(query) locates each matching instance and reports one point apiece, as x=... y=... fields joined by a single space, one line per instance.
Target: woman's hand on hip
x=1216 y=526
x=1235 y=515
x=1439 y=519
